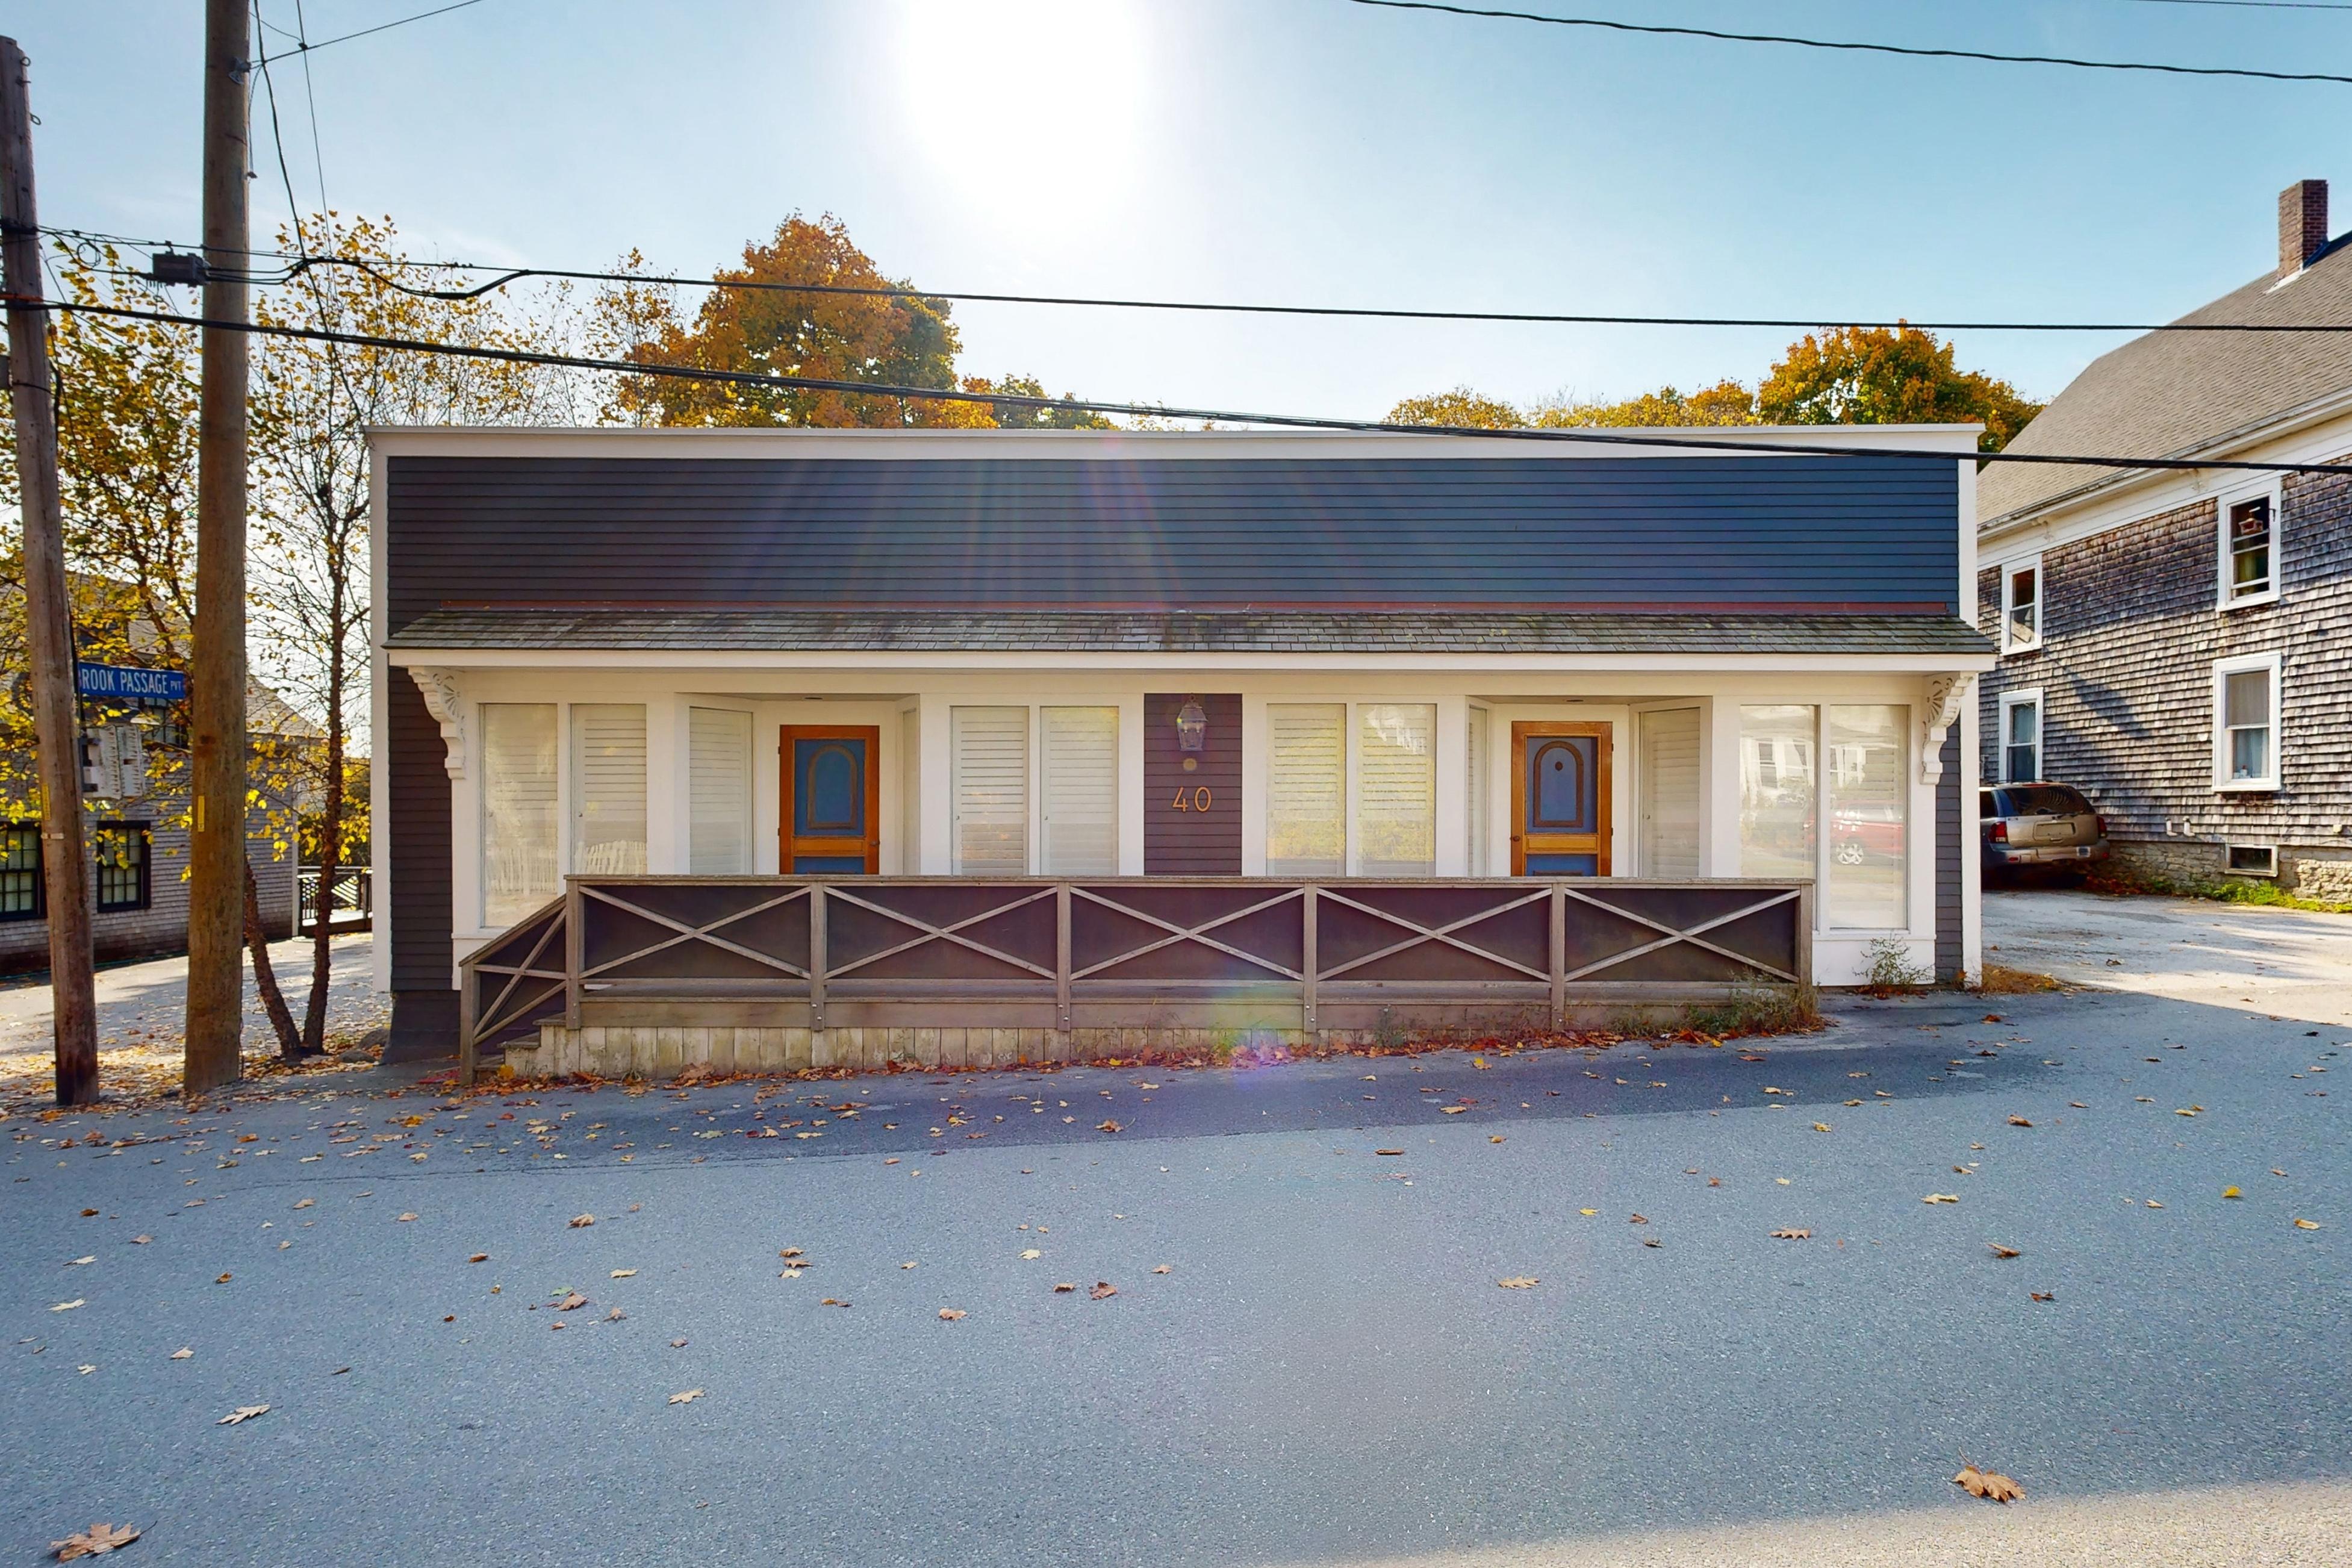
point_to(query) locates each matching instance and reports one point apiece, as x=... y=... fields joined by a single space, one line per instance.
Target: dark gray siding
x=1953 y=834
x=416 y=854
x=1852 y=533
x=1192 y=842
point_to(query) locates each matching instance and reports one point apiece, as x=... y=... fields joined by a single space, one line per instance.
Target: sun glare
x=1036 y=100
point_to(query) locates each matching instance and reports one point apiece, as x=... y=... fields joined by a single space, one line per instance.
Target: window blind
x=1078 y=791
x=719 y=792
x=1476 y=814
x=1670 y=793
x=989 y=779
x=1305 y=789
x=608 y=788
x=519 y=809
x=1396 y=791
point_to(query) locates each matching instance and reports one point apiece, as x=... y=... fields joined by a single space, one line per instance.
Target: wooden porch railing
x=1241 y=953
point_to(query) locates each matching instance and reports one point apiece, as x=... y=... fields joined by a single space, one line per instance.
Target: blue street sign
x=126 y=683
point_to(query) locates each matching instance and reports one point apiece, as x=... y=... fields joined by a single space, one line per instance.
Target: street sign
x=115 y=763
x=128 y=683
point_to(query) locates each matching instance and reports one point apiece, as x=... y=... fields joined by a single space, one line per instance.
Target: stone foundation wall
x=2320 y=872
x=646 y=1051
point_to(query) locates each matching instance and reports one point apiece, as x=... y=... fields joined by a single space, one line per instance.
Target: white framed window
x=519 y=818
x=2021 y=605
x=988 y=782
x=1861 y=865
x=608 y=788
x=1077 y=789
x=719 y=792
x=2247 y=546
x=2021 y=736
x=2252 y=859
x=2246 y=722
x=1306 y=789
x=1667 y=789
x=1396 y=789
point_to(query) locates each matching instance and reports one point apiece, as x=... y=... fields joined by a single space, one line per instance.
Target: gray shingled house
x=772 y=748
x=2175 y=643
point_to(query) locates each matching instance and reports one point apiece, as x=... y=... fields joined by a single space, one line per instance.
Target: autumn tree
x=1065 y=414
x=1882 y=375
x=1460 y=408
x=1725 y=403
x=310 y=405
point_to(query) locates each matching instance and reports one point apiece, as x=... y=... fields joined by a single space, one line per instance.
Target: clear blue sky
x=1303 y=150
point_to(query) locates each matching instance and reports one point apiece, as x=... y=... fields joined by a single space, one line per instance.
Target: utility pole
x=49 y=612
x=215 y=1021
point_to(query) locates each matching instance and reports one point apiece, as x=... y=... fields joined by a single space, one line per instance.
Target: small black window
x=121 y=866
x=21 y=897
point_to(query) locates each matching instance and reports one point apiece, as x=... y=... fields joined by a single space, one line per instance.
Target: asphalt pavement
x=1308 y=1357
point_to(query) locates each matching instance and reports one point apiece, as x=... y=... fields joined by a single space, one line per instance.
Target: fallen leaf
x=2154 y=1205
x=1103 y=1290
x=403 y=1218
x=1452 y=1109
x=2019 y=1121
x=480 y=1258
x=182 y=1354
x=68 y=1306
x=950 y=1314
x=677 y=1345
x=2184 y=1113
x=1821 y=1126
x=95 y=1542
x=1388 y=1151
x=223 y=1279
x=1163 y=1268
x=2000 y=1251
x=304 y=1203
x=89 y=1214
x=577 y=1221
x=1989 y=1484
x=141 y=1240
x=829 y=1301
x=1941 y=1198
x=2231 y=1193
x=2299 y=1224
x=243 y=1413
x=1638 y=1219
x=1518 y=1282
x=572 y=1301
x=624 y=1274
x=1789 y=1235
x=689 y=1397
x=1651 y=1241
x=1108 y=1126
x=1587 y=1213
x=1497 y=1138
x=1064 y=1289
x=1032 y=1252
x=2042 y=1295
x=2078 y=1105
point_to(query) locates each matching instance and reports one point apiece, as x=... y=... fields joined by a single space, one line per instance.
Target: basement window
x=2254 y=859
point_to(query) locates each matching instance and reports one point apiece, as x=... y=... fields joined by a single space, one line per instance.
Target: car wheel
x=1848 y=854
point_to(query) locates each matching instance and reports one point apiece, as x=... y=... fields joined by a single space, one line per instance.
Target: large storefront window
x=1869 y=880
x=1776 y=792
x=519 y=809
x=1306 y=789
x=1396 y=800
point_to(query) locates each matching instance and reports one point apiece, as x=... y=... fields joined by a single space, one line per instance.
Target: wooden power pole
x=216 y=1022
x=48 y=611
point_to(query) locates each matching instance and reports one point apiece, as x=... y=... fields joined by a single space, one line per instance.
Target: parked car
x=2040 y=825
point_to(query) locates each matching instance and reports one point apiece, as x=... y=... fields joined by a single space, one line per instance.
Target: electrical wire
x=2258 y=4
x=1168 y=411
x=1915 y=52
x=304 y=48
x=296 y=264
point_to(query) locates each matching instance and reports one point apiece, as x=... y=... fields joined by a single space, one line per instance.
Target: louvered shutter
x=1078 y=791
x=1305 y=789
x=719 y=792
x=519 y=809
x=1396 y=791
x=608 y=786
x=989 y=778
x=1670 y=792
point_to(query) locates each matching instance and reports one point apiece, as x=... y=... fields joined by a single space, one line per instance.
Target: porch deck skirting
x=650 y=975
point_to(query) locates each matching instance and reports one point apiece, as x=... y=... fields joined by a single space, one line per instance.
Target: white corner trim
x=439 y=688
x=1947 y=696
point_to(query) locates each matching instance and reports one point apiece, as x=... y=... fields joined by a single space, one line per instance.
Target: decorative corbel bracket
x=1945 y=696
x=439 y=688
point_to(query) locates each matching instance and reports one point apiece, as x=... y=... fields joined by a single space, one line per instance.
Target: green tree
x=1461 y=408
x=1880 y=375
x=1020 y=416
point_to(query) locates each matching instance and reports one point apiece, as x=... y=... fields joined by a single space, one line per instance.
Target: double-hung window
x=2021 y=605
x=20 y=871
x=121 y=866
x=1351 y=799
x=2246 y=722
x=2250 y=549
x=2020 y=737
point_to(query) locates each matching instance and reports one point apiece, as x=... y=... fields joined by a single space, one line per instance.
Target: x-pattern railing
x=515 y=979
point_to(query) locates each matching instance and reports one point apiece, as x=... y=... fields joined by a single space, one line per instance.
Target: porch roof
x=1250 y=631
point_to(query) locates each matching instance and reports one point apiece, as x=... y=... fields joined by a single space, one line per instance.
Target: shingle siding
x=2130 y=634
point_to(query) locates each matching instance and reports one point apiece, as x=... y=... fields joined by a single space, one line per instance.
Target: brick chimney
x=2302 y=225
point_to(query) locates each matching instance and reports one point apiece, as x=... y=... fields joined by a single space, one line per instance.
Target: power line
x=2259 y=4
x=1168 y=411
x=1357 y=312
x=303 y=48
x=1918 y=53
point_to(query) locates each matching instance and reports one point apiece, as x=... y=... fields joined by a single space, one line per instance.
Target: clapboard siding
x=416 y=854
x=2130 y=633
x=1833 y=530
x=1192 y=843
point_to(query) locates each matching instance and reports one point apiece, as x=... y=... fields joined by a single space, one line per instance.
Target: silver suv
x=2044 y=825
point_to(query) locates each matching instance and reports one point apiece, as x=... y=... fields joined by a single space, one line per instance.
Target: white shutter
x=1305 y=789
x=519 y=809
x=1396 y=790
x=608 y=788
x=1670 y=793
x=1476 y=814
x=719 y=792
x=988 y=774
x=1077 y=780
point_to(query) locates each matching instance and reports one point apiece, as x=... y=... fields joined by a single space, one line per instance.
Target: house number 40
x=1197 y=798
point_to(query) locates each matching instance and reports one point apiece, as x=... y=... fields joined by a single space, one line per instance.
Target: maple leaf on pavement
x=1989 y=1484
x=95 y=1542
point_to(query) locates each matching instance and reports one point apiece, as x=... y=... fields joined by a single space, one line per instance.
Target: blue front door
x=830 y=802
x=1560 y=800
